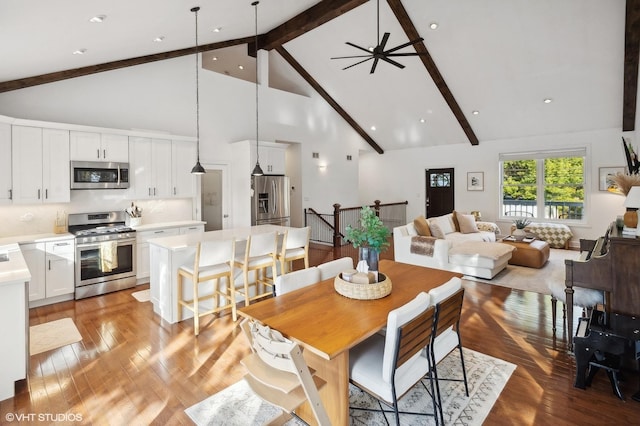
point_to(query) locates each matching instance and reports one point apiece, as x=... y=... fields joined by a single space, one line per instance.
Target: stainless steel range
x=105 y=253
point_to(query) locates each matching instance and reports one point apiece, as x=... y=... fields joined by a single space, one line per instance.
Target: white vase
x=519 y=233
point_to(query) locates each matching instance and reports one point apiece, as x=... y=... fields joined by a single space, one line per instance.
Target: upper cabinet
x=5 y=164
x=89 y=146
x=40 y=165
x=272 y=157
x=161 y=168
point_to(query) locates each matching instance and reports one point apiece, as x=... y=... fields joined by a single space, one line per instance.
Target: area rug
x=486 y=376
x=52 y=335
x=532 y=279
x=142 y=295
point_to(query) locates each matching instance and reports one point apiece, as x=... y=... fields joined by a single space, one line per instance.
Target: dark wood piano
x=612 y=265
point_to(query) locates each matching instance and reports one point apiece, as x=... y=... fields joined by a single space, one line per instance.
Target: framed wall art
x=475 y=181
x=605 y=173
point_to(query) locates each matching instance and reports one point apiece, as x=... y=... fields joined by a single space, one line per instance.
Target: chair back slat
x=415 y=336
x=449 y=311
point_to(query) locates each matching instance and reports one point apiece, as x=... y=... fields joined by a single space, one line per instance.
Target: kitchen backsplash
x=41 y=219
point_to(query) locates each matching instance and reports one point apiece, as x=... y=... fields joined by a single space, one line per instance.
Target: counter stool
x=213 y=260
x=295 y=245
x=260 y=255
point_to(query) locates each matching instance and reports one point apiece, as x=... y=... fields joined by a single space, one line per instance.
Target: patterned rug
x=487 y=376
x=52 y=335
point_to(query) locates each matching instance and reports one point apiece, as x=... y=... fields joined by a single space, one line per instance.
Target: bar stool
x=213 y=260
x=259 y=255
x=295 y=245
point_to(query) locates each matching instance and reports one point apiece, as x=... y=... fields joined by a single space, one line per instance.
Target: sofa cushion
x=442 y=225
x=488 y=250
x=422 y=227
x=467 y=223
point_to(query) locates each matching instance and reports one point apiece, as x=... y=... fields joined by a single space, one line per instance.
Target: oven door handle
x=97 y=244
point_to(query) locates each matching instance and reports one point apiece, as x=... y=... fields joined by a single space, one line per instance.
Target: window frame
x=539 y=157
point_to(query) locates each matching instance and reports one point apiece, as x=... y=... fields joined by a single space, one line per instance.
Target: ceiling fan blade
x=354 y=56
x=373 y=67
x=358 y=47
x=391 y=61
x=407 y=54
x=402 y=46
x=357 y=63
x=383 y=43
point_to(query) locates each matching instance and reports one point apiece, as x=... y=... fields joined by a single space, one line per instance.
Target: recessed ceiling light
x=215 y=58
x=433 y=25
x=373 y=128
x=159 y=39
x=217 y=30
x=241 y=67
x=97 y=19
x=80 y=52
x=548 y=100
x=475 y=112
x=422 y=120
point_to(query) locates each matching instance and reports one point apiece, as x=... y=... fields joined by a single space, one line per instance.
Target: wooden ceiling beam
x=327 y=97
x=631 y=58
x=22 y=83
x=311 y=18
x=407 y=25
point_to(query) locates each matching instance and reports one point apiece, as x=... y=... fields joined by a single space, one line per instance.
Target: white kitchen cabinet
x=142 y=248
x=52 y=268
x=40 y=165
x=5 y=164
x=91 y=146
x=272 y=157
x=60 y=267
x=191 y=229
x=150 y=162
x=183 y=157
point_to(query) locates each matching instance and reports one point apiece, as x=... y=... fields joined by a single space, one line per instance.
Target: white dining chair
x=388 y=366
x=295 y=245
x=334 y=267
x=259 y=257
x=297 y=279
x=213 y=261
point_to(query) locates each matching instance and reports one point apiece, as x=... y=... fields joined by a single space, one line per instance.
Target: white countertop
x=162 y=225
x=34 y=238
x=15 y=269
x=179 y=242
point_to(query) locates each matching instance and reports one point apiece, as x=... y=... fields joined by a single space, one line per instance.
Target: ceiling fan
x=378 y=52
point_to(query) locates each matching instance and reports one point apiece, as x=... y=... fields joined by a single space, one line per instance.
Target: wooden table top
x=327 y=323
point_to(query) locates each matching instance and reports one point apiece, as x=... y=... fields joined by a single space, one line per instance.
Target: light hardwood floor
x=133 y=368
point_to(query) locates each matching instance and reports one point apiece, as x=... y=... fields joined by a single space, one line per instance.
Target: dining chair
x=213 y=261
x=447 y=299
x=278 y=373
x=387 y=367
x=295 y=245
x=297 y=279
x=334 y=267
x=259 y=256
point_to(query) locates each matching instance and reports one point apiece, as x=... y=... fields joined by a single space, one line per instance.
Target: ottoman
x=533 y=255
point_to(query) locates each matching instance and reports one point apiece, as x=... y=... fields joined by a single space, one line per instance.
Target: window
x=543 y=185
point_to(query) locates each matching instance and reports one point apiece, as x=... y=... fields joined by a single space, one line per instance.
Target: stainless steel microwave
x=99 y=175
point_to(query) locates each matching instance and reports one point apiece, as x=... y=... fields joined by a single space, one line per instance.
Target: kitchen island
x=14 y=321
x=169 y=253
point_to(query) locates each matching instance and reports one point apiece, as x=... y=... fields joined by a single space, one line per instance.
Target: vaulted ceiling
x=492 y=69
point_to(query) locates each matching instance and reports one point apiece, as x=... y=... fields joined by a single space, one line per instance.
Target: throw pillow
x=445 y=223
x=467 y=223
x=422 y=227
x=456 y=223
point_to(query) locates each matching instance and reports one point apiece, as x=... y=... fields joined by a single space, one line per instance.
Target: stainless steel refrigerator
x=270 y=200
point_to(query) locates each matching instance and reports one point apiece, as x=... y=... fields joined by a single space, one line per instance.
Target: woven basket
x=363 y=291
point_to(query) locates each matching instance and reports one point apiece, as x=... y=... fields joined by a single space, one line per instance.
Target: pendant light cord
x=196 y=9
x=255 y=4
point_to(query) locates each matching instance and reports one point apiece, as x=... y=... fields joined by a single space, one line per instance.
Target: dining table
x=326 y=325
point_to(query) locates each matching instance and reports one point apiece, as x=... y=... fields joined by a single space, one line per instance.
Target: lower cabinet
x=52 y=269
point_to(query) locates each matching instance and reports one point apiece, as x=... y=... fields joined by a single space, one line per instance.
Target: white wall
x=400 y=175
x=160 y=96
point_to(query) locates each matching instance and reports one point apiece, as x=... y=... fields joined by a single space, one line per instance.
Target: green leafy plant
x=371 y=233
x=521 y=223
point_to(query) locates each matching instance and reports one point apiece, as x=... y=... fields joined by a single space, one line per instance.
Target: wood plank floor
x=133 y=368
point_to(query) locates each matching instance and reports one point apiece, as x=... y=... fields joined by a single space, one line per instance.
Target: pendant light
x=197 y=169
x=257 y=170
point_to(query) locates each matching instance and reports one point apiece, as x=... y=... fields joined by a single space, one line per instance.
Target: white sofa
x=475 y=253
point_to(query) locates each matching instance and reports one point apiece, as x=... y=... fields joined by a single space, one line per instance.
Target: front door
x=439 y=198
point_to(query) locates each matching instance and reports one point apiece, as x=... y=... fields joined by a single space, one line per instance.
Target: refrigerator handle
x=275 y=197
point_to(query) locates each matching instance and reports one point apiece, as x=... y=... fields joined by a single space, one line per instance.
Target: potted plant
x=520 y=225
x=370 y=238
